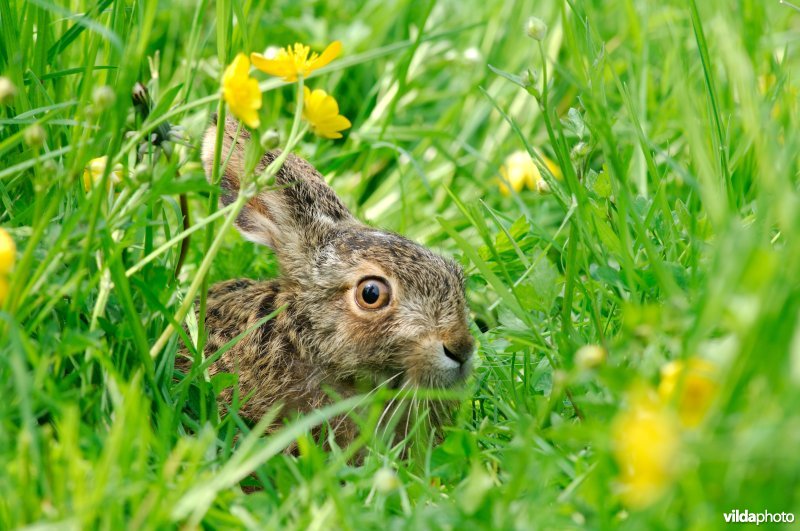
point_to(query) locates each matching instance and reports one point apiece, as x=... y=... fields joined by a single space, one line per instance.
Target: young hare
x=361 y=306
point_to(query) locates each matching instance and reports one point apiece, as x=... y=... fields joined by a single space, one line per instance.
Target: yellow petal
x=331 y=52
x=239 y=68
x=504 y=181
x=520 y=171
x=512 y=175
x=645 y=443
x=691 y=386
x=249 y=117
x=328 y=107
x=332 y=135
x=278 y=67
x=533 y=178
x=313 y=98
x=87 y=180
x=8 y=252
x=241 y=92
x=251 y=86
x=93 y=172
x=553 y=167
x=335 y=123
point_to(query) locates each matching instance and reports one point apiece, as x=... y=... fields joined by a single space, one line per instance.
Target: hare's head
x=361 y=301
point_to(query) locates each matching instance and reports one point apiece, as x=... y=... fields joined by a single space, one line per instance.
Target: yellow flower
x=322 y=112
x=241 y=91
x=8 y=252
x=691 y=387
x=94 y=172
x=519 y=171
x=291 y=62
x=645 y=442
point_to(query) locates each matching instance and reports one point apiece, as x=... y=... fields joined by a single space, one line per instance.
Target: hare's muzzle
x=450 y=359
x=459 y=351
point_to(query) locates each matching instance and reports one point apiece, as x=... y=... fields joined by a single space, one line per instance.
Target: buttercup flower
x=291 y=62
x=690 y=386
x=8 y=252
x=241 y=92
x=645 y=442
x=519 y=171
x=322 y=112
x=94 y=172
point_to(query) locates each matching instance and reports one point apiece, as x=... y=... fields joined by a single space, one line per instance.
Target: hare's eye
x=373 y=293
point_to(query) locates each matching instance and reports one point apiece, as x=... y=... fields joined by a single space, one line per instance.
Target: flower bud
x=34 y=136
x=7 y=90
x=270 y=139
x=580 y=150
x=103 y=97
x=590 y=357
x=141 y=98
x=142 y=173
x=385 y=480
x=530 y=78
x=536 y=29
x=49 y=168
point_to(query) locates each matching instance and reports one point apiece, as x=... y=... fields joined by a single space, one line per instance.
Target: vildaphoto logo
x=746 y=517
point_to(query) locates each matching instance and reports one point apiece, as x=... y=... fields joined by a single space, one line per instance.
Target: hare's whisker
x=389 y=405
x=397 y=408
x=385 y=382
x=411 y=407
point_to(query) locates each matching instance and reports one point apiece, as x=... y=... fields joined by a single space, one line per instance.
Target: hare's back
x=236 y=305
x=233 y=307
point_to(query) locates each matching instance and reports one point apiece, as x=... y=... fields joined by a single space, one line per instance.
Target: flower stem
x=295 y=134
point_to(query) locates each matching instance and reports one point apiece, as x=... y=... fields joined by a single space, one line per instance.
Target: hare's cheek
x=365 y=332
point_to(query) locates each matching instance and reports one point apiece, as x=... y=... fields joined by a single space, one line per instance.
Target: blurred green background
x=638 y=325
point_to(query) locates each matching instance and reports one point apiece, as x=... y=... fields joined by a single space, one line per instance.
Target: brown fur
x=323 y=339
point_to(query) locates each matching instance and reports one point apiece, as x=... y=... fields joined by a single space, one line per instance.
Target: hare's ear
x=294 y=215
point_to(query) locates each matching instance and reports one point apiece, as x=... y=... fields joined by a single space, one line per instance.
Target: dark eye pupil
x=370 y=293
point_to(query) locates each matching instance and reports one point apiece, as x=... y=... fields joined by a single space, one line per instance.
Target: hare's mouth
x=429 y=366
x=444 y=368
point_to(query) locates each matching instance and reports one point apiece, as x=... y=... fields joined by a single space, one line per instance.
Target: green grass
x=673 y=234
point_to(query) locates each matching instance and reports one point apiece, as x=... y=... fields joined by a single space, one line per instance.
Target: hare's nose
x=459 y=351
